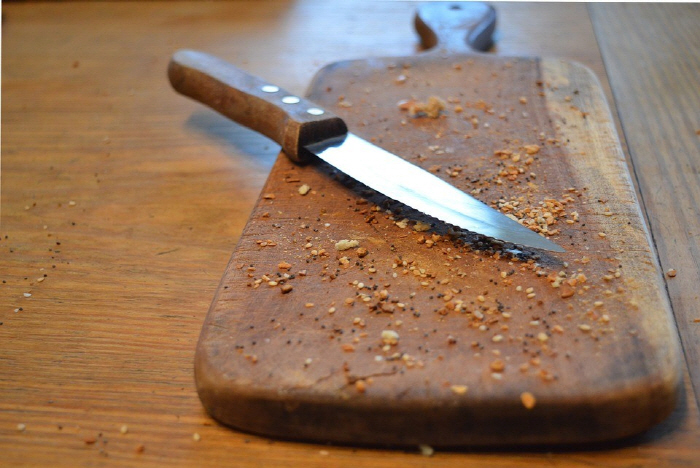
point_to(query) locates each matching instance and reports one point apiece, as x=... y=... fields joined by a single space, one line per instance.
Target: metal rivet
x=290 y=100
x=270 y=89
x=314 y=111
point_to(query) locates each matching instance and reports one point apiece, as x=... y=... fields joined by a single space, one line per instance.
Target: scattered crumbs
x=21 y=427
x=304 y=189
x=124 y=429
x=346 y=244
x=671 y=273
x=528 y=400
x=459 y=389
x=522 y=100
x=269 y=196
x=196 y=437
x=27 y=294
x=286 y=288
x=71 y=203
x=426 y=450
x=323 y=453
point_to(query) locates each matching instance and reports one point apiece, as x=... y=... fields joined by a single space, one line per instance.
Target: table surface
x=122 y=202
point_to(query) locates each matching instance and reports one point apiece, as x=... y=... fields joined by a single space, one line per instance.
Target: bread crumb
x=421 y=226
x=346 y=244
x=124 y=429
x=431 y=109
x=196 y=437
x=426 y=450
x=498 y=365
x=390 y=337
x=459 y=389
x=304 y=189
x=671 y=273
x=528 y=400
x=532 y=149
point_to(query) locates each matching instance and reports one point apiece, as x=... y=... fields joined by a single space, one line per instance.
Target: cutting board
x=347 y=317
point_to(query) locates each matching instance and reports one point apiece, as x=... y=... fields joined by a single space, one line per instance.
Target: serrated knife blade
x=304 y=129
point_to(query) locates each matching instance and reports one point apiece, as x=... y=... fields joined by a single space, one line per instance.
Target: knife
x=304 y=129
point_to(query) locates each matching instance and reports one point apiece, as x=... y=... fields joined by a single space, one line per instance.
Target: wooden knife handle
x=455 y=27
x=289 y=120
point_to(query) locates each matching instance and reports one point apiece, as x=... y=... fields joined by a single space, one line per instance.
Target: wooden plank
x=657 y=90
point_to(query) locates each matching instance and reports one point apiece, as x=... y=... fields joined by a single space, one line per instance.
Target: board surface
x=423 y=335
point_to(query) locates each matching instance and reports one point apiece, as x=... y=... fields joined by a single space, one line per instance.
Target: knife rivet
x=314 y=111
x=269 y=89
x=290 y=100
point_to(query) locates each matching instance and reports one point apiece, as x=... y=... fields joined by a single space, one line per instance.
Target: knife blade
x=304 y=130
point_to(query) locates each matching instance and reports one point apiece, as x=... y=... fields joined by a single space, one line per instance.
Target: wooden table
x=122 y=201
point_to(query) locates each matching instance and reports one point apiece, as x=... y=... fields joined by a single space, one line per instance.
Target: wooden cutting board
x=346 y=317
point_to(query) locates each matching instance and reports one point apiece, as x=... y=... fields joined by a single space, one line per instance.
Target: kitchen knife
x=304 y=129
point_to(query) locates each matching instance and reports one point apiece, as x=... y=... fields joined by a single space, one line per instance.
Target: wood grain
x=162 y=191
x=664 y=152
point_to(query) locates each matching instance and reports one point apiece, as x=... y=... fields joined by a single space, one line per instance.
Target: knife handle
x=289 y=120
x=455 y=27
